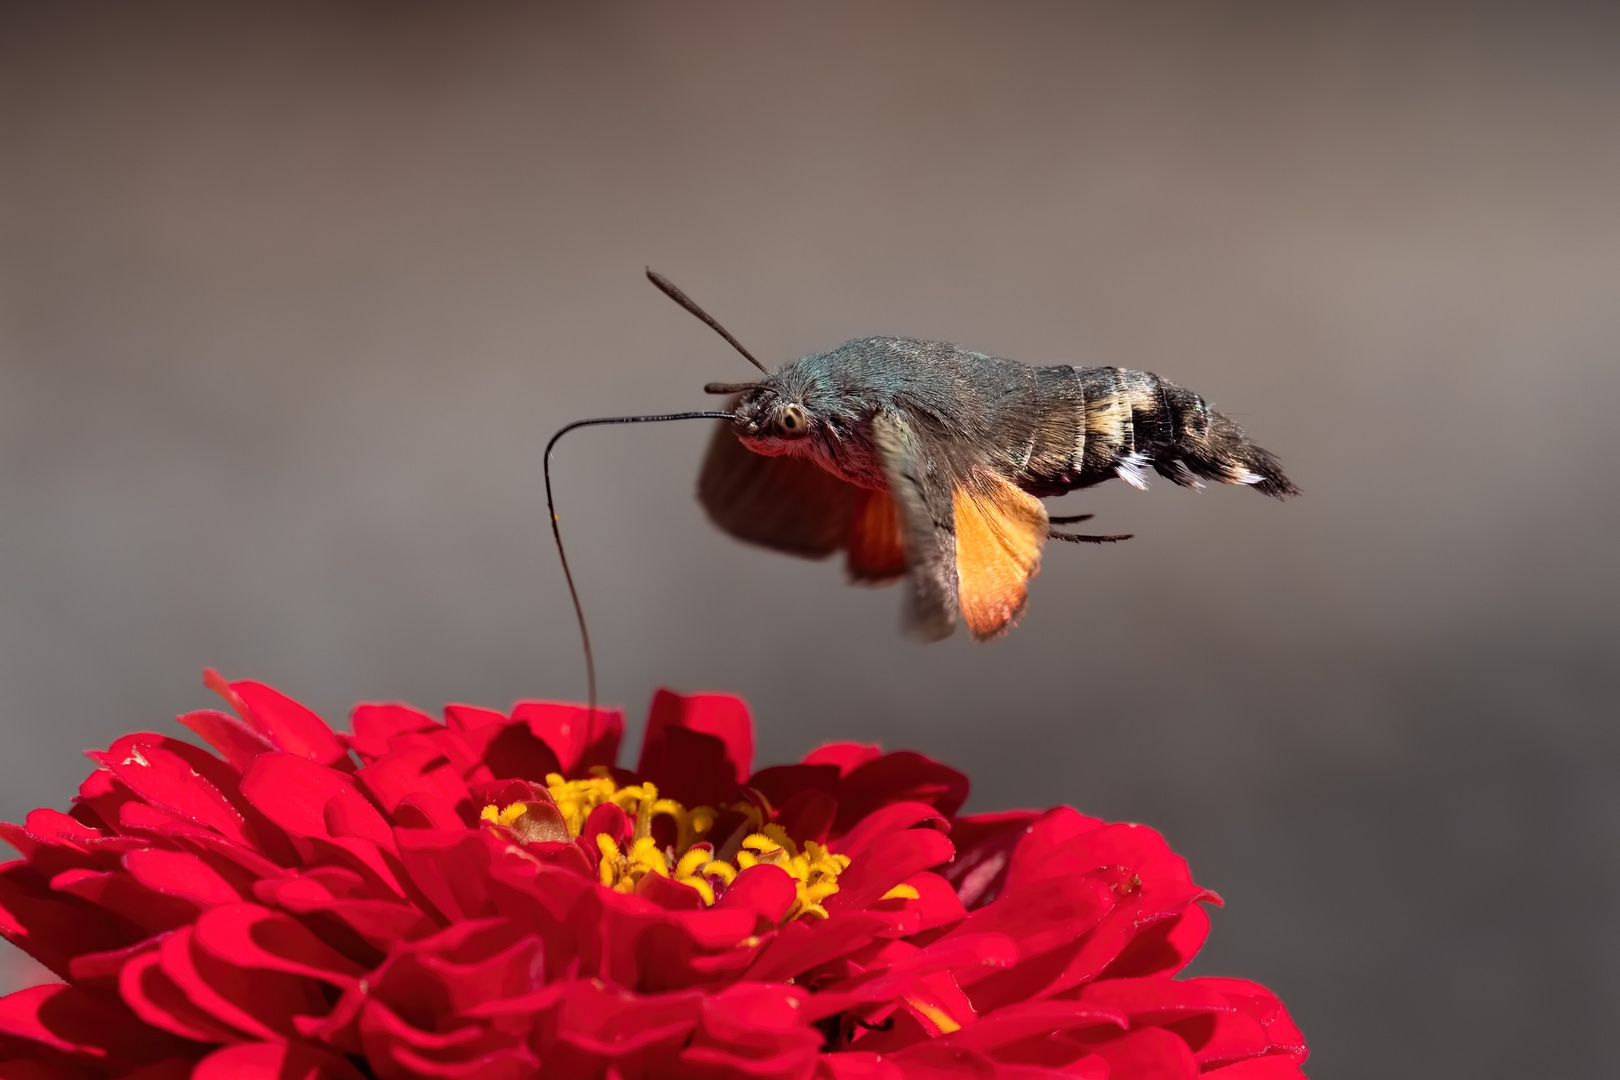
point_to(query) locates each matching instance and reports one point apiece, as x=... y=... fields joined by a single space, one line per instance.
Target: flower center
x=693 y=859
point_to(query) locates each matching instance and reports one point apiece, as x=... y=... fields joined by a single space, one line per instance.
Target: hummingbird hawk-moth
x=926 y=461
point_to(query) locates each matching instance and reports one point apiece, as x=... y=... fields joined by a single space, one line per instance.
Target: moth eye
x=791 y=423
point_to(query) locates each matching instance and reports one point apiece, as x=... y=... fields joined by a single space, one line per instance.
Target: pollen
x=706 y=864
x=506 y=816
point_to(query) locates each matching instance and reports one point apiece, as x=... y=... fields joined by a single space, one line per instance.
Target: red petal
x=607 y=818
x=844 y=756
x=855 y=1065
x=417 y=763
x=1092 y=947
x=1029 y=1018
x=752 y=1030
x=236 y=742
x=1051 y=924
x=779 y=783
x=902 y=776
x=427 y=810
x=691 y=768
x=669 y=895
x=381 y=923
x=18 y=837
x=1264 y=1068
x=1265 y=1007
x=84 y=1025
x=121 y=894
x=182 y=874
x=375 y=724
x=607 y=731
x=764 y=889
x=936 y=1061
x=155 y=998
x=273 y=1061
x=894 y=817
x=808 y=815
x=451 y=869
x=1154 y=999
x=293 y=791
x=806 y=944
x=715 y=928
x=936 y=903
x=889 y=860
x=350 y=814
x=1148 y=1054
x=260 y=1003
x=961 y=956
x=291 y=726
x=604 y=1023
x=51 y=928
x=1039 y=843
x=1222 y=1038
x=166 y=780
x=249 y=936
x=169 y=1069
x=984 y=847
x=512 y=751
x=936 y=1001
x=573 y=733
x=99 y=971
x=54 y=827
x=1165 y=948
x=1063 y=842
x=720 y=715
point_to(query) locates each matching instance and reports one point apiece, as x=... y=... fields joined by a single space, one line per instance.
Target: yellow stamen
x=940 y=1018
x=608 y=871
x=645 y=856
x=704 y=889
x=722 y=870
x=902 y=892
x=690 y=860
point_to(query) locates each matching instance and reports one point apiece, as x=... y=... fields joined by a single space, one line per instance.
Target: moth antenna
x=730 y=387
x=667 y=287
x=556 y=532
x=1071 y=519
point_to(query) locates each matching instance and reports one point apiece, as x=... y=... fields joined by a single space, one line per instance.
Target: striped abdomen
x=1092 y=424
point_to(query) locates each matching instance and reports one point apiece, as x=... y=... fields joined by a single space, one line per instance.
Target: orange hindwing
x=876 y=549
x=999 y=532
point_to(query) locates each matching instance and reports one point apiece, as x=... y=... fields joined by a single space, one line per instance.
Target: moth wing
x=1000 y=529
x=784 y=503
x=876 y=551
x=921 y=498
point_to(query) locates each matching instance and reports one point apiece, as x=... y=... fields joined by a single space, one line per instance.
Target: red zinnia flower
x=492 y=898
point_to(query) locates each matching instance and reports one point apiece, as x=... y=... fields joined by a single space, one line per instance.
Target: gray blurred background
x=291 y=297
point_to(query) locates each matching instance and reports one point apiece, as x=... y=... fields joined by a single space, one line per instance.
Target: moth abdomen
x=1210 y=445
x=1101 y=422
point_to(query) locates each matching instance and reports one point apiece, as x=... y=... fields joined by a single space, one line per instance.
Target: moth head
x=771 y=422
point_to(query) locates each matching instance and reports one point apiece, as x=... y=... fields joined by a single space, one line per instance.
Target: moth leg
x=1072 y=519
x=1082 y=538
